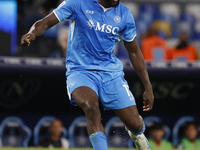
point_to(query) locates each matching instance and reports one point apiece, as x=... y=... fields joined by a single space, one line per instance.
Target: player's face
x=112 y=3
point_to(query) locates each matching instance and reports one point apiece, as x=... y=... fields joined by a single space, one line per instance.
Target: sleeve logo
x=71 y=84
x=62 y=4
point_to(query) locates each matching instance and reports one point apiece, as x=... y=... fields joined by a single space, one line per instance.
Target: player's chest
x=107 y=22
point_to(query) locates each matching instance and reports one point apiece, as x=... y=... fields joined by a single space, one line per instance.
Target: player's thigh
x=130 y=117
x=82 y=88
x=85 y=97
x=115 y=94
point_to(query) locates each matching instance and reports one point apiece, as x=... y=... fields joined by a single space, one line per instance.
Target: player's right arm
x=39 y=28
x=66 y=10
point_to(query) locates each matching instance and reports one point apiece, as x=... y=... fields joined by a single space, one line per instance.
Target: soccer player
x=93 y=72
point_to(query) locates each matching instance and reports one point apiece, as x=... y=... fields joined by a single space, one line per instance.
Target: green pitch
x=58 y=149
x=71 y=149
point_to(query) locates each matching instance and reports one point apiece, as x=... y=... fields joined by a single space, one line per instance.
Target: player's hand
x=27 y=38
x=148 y=98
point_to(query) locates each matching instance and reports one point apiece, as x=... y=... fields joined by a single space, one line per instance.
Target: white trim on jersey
x=131 y=40
x=105 y=9
x=70 y=98
x=56 y=15
x=72 y=28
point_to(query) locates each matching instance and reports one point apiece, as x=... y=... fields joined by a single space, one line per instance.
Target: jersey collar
x=105 y=9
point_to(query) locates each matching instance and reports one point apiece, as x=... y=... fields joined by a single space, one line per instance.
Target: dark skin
x=109 y=3
x=86 y=98
x=55 y=130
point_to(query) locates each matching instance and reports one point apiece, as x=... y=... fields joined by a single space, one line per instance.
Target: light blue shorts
x=111 y=87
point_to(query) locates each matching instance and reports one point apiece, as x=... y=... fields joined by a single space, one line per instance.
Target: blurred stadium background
x=32 y=83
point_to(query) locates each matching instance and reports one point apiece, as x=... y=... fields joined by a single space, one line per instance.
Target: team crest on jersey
x=71 y=84
x=117 y=19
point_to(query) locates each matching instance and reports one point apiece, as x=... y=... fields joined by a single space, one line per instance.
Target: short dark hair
x=51 y=123
x=156 y=126
x=190 y=123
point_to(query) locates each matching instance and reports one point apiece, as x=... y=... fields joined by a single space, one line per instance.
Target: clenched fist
x=27 y=38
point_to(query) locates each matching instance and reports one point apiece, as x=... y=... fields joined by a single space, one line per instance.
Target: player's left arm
x=138 y=63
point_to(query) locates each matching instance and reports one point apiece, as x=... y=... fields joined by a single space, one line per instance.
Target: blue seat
x=142 y=26
x=170 y=8
x=145 y=19
x=196 y=35
x=178 y=129
x=167 y=17
x=194 y=9
x=149 y=122
x=41 y=129
x=116 y=134
x=78 y=136
x=147 y=13
x=14 y=133
x=175 y=34
x=187 y=17
x=149 y=8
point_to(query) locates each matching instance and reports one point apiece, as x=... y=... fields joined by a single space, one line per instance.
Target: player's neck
x=103 y=3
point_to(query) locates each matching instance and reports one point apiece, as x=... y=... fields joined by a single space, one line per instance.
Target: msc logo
x=102 y=28
x=90 y=24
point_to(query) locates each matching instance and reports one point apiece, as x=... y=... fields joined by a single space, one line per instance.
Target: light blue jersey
x=94 y=31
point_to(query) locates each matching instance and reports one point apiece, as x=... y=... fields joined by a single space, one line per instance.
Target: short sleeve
x=129 y=32
x=66 y=10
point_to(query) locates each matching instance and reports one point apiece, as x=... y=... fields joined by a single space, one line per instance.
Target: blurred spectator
x=153 y=47
x=156 y=140
x=54 y=139
x=163 y=27
x=47 y=6
x=62 y=41
x=183 y=51
x=190 y=141
x=169 y=18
